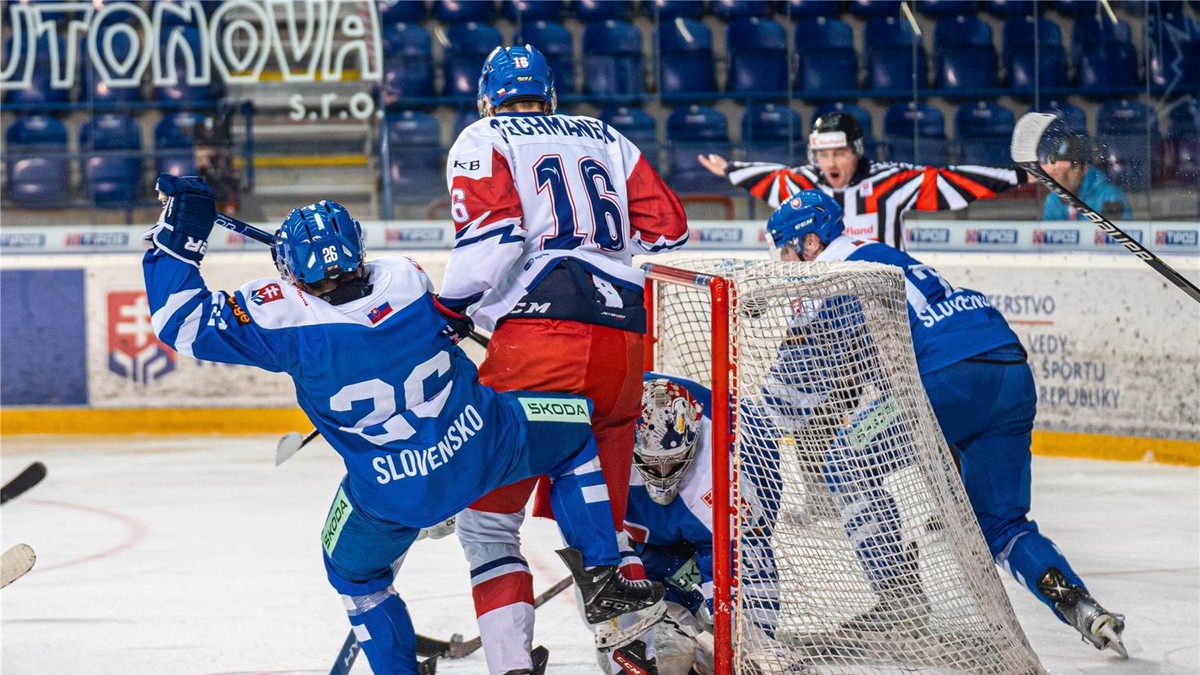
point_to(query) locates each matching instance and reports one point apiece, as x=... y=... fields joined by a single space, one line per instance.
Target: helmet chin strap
x=348 y=291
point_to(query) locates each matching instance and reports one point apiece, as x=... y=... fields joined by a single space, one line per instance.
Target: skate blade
x=609 y=637
x=1113 y=639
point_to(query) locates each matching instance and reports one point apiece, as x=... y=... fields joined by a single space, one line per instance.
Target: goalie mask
x=319 y=242
x=513 y=74
x=666 y=437
x=806 y=211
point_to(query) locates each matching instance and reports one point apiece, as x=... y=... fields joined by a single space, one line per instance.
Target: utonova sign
x=239 y=41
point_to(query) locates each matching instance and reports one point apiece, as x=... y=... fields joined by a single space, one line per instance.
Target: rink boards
x=1115 y=349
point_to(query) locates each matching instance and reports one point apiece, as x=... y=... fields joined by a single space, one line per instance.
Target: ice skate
x=540 y=656
x=1097 y=625
x=902 y=603
x=607 y=594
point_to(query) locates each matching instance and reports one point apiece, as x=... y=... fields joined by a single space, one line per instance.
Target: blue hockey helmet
x=514 y=73
x=804 y=212
x=318 y=242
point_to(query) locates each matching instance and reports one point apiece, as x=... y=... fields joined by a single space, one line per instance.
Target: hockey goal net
x=854 y=546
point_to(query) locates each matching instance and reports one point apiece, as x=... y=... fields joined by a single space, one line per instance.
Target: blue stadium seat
x=685 y=57
x=602 y=10
x=183 y=94
x=1126 y=130
x=464 y=11
x=730 y=10
x=890 y=63
x=984 y=133
x=809 y=9
x=111 y=146
x=1007 y=8
x=612 y=59
x=965 y=56
x=692 y=130
x=39 y=94
x=758 y=60
x=557 y=44
x=463 y=119
x=400 y=11
x=35 y=156
x=638 y=126
x=916 y=133
x=175 y=143
x=1104 y=54
x=870 y=144
x=407 y=63
x=869 y=9
x=1034 y=55
x=773 y=133
x=943 y=8
x=1072 y=116
x=418 y=165
x=1075 y=7
x=96 y=93
x=662 y=10
x=1174 y=60
x=528 y=11
x=469 y=45
x=827 y=59
x=1182 y=148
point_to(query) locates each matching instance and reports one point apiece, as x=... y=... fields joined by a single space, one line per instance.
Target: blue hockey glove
x=458 y=324
x=186 y=220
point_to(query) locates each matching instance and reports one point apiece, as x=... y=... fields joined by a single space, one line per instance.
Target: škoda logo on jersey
x=134 y=351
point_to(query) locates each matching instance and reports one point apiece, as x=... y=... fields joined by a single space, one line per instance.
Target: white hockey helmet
x=666 y=437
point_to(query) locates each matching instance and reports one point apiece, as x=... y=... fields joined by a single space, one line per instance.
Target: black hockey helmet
x=835 y=130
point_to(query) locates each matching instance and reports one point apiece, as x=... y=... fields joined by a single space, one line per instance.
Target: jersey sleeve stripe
x=881 y=191
x=976 y=190
x=927 y=199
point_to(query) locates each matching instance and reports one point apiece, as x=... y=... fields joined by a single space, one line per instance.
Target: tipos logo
x=134 y=351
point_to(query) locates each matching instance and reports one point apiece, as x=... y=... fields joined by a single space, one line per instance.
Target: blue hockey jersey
x=401 y=404
x=948 y=324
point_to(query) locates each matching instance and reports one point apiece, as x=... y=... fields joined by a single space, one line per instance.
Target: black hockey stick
x=1026 y=136
x=454 y=648
x=20 y=484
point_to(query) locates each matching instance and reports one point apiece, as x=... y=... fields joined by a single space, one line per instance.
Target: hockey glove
x=458 y=324
x=186 y=220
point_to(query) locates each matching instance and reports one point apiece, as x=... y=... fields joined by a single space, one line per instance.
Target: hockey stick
x=1026 y=136
x=22 y=482
x=15 y=562
x=454 y=648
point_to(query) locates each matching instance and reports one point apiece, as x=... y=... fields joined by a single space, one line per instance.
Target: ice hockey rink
x=197 y=556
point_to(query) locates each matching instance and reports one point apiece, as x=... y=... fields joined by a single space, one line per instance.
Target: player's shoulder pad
x=472 y=153
x=274 y=303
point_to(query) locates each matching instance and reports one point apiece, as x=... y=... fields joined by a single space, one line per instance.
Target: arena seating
x=1126 y=130
x=916 y=134
x=1174 y=63
x=558 y=45
x=692 y=130
x=612 y=59
x=758 y=61
x=417 y=160
x=891 y=67
x=184 y=94
x=669 y=9
x=529 y=11
x=827 y=59
x=39 y=95
x=603 y=10
x=469 y=44
x=686 y=58
x=463 y=11
x=730 y=10
x=1104 y=55
x=773 y=133
x=111 y=164
x=400 y=11
x=175 y=143
x=1072 y=115
x=36 y=162
x=638 y=126
x=984 y=132
x=1182 y=146
x=407 y=63
x=964 y=55
x=1034 y=55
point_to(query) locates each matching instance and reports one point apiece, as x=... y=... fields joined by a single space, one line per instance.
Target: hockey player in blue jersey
x=669 y=519
x=376 y=366
x=975 y=374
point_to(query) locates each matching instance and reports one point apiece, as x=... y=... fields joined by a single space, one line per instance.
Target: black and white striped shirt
x=876 y=198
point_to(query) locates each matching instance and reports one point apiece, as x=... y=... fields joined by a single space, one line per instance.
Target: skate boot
x=633 y=661
x=1097 y=625
x=902 y=604
x=606 y=593
x=540 y=656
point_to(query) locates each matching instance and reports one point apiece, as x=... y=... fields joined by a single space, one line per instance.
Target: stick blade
x=15 y=562
x=1026 y=135
x=22 y=482
x=289 y=445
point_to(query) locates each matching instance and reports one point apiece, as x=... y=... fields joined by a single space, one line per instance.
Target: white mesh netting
x=857 y=551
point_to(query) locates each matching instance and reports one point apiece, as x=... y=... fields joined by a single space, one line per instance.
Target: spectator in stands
x=873 y=195
x=1068 y=161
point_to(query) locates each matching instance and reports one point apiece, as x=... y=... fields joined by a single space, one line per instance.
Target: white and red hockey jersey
x=528 y=190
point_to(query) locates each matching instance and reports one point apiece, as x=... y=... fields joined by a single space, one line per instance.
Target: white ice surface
x=198 y=557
